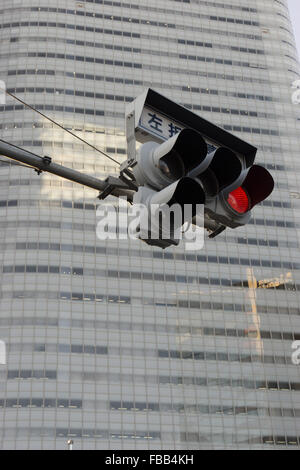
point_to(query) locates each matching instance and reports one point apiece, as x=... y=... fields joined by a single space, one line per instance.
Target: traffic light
x=179 y=173
x=232 y=207
x=159 y=165
x=219 y=169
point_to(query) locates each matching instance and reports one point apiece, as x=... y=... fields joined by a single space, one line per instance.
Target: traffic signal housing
x=232 y=207
x=181 y=172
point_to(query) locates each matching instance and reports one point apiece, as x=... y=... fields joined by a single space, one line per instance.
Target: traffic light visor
x=258 y=185
x=192 y=148
x=180 y=154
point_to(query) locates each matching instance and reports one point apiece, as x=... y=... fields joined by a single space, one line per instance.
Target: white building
x=117 y=345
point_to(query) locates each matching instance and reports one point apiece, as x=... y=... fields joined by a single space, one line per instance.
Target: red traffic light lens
x=238 y=200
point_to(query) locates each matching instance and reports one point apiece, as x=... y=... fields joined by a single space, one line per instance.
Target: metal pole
x=46 y=164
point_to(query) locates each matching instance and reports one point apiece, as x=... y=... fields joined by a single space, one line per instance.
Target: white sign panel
x=157 y=124
x=161 y=126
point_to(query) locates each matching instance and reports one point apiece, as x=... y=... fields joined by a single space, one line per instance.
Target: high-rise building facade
x=114 y=344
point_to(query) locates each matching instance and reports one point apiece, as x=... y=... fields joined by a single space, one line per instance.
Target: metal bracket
x=47 y=160
x=161 y=243
x=112 y=183
x=127 y=177
x=217 y=232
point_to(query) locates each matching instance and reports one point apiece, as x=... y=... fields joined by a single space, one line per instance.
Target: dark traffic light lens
x=172 y=166
x=238 y=200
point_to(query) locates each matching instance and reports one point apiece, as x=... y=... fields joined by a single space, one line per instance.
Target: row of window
x=274 y=223
x=123 y=252
x=204 y=438
x=270 y=148
x=70 y=145
x=198 y=2
x=220 y=382
x=138 y=65
x=134 y=50
x=38 y=182
x=278 y=166
x=92 y=249
x=95 y=168
x=150 y=37
x=165 y=303
x=239 y=94
x=124 y=99
x=60 y=348
x=235 y=63
x=263 y=242
x=273 y=440
x=62 y=109
x=41 y=432
x=256 y=130
x=48 y=203
x=40 y=403
x=270 y=203
x=126 y=19
x=242 y=112
x=153 y=327
x=198 y=408
x=189 y=42
x=150 y=406
x=30 y=374
x=72 y=92
x=130 y=81
x=88 y=128
x=161 y=353
x=279 y=283
x=224 y=357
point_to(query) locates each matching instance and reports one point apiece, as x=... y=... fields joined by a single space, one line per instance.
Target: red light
x=238 y=200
